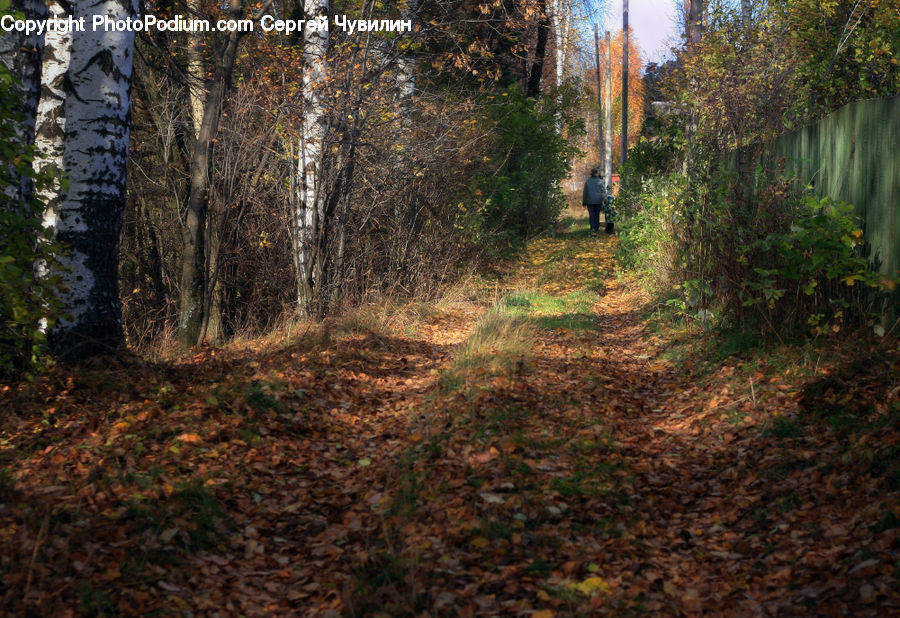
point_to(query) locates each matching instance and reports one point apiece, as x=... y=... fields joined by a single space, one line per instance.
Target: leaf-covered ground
x=536 y=447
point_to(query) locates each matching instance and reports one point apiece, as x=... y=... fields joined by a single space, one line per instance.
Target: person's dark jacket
x=594 y=192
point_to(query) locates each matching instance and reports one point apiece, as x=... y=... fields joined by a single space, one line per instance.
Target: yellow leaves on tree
x=635 y=90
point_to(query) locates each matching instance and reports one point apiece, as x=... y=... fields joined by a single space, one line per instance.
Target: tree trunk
x=22 y=56
x=559 y=53
x=309 y=208
x=533 y=89
x=560 y=27
x=193 y=307
x=83 y=130
x=406 y=72
x=196 y=71
x=693 y=13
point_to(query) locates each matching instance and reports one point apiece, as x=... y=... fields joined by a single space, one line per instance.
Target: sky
x=653 y=22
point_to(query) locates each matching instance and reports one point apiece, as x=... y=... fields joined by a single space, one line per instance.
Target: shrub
x=774 y=263
x=27 y=302
x=813 y=271
x=517 y=194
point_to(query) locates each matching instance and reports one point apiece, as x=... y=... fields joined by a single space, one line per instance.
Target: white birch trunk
x=559 y=53
x=83 y=131
x=310 y=206
x=567 y=15
x=51 y=112
x=406 y=72
x=22 y=56
x=559 y=25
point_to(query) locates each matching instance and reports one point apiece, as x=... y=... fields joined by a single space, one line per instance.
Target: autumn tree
x=337 y=165
x=635 y=96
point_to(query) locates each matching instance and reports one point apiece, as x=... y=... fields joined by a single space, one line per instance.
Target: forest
x=302 y=315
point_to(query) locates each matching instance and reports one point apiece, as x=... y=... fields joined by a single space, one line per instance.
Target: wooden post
x=608 y=108
x=600 y=106
x=624 y=81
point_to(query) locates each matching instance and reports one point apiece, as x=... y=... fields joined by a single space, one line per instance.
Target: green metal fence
x=853 y=155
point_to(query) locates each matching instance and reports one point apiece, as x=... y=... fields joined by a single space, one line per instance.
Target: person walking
x=594 y=198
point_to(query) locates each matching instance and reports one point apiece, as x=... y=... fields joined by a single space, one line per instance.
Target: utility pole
x=624 y=81
x=608 y=109
x=599 y=97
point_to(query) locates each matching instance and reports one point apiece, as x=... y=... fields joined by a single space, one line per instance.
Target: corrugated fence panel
x=852 y=155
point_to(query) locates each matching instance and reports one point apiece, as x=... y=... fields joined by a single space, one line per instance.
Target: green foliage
x=517 y=193
x=748 y=251
x=650 y=158
x=776 y=264
x=649 y=229
x=791 y=63
x=26 y=300
x=846 y=51
x=811 y=268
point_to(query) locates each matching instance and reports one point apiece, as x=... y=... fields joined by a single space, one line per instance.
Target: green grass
x=500 y=344
x=570 y=312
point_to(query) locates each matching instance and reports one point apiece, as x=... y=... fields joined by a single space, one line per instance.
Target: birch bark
x=406 y=70
x=22 y=56
x=83 y=130
x=196 y=71
x=559 y=18
x=309 y=208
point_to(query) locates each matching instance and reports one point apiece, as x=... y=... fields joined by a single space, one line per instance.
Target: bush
x=775 y=263
x=812 y=272
x=518 y=192
x=649 y=231
x=27 y=302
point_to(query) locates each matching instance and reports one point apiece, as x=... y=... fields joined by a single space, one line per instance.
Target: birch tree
x=406 y=69
x=21 y=54
x=83 y=132
x=309 y=208
x=560 y=12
